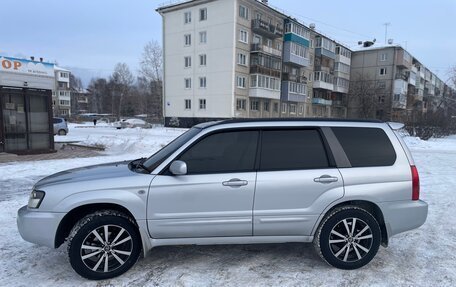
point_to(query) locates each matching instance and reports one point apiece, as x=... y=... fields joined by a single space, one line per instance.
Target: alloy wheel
x=350 y=239
x=106 y=248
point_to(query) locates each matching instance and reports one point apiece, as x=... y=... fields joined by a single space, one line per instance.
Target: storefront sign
x=23 y=66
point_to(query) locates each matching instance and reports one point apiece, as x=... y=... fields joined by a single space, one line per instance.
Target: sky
x=91 y=36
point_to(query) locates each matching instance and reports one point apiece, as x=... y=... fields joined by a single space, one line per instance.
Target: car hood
x=93 y=172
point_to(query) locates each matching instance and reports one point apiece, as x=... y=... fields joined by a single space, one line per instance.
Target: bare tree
x=151 y=69
x=364 y=96
x=152 y=61
x=122 y=79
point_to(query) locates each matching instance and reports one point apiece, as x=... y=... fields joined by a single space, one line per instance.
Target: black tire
x=62 y=132
x=348 y=250
x=115 y=251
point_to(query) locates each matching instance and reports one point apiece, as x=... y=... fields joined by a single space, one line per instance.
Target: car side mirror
x=178 y=167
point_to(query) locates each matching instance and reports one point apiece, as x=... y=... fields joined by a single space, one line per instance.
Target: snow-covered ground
x=422 y=257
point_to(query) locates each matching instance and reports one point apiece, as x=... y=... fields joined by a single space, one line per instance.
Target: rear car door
x=297 y=179
x=215 y=197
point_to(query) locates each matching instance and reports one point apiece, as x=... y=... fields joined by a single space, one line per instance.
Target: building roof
x=57 y=68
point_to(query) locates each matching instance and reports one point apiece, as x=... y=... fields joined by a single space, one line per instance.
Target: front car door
x=215 y=197
x=296 y=181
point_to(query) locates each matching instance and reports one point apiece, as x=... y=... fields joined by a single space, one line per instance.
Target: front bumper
x=401 y=216
x=38 y=227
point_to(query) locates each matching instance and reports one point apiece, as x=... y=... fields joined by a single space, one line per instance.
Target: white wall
x=220 y=58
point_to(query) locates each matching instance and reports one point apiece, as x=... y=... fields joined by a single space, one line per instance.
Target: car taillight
x=415 y=183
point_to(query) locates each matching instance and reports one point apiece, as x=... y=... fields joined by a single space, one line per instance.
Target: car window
x=366 y=146
x=157 y=158
x=292 y=149
x=222 y=153
x=56 y=120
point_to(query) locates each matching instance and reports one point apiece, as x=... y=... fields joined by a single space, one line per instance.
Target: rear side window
x=222 y=153
x=366 y=146
x=292 y=149
x=57 y=120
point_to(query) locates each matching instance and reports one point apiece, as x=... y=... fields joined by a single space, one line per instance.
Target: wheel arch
x=77 y=213
x=369 y=206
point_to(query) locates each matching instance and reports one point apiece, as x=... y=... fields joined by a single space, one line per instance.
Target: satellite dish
x=312 y=26
x=360 y=42
x=375 y=40
x=390 y=41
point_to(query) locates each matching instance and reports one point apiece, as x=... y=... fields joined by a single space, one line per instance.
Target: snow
x=421 y=257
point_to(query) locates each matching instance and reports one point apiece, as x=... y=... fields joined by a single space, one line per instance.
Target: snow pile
x=120 y=141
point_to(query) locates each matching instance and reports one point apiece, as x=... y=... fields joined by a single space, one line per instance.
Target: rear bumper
x=38 y=227
x=401 y=216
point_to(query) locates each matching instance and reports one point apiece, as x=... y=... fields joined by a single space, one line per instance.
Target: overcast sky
x=91 y=36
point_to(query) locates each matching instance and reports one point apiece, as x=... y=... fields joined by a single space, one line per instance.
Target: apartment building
x=388 y=83
x=61 y=95
x=244 y=59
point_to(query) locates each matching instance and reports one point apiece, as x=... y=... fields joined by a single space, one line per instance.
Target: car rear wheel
x=62 y=132
x=348 y=238
x=104 y=245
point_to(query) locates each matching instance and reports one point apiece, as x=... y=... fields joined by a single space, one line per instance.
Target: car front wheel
x=348 y=238
x=104 y=245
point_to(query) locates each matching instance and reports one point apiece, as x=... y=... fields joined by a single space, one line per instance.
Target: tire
x=343 y=246
x=87 y=249
x=62 y=132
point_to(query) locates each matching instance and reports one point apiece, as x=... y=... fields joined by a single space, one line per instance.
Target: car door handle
x=235 y=182
x=326 y=179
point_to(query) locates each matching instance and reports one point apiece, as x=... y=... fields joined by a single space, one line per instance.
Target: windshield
x=156 y=159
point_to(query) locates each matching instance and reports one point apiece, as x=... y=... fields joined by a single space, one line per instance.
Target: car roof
x=264 y=121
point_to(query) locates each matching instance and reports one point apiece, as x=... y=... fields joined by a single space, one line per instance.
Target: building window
x=276 y=107
x=383 y=57
x=301 y=110
x=187 y=62
x=202 y=59
x=241 y=82
x=254 y=105
x=188 y=104
x=188 y=83
x=203 y=14
x=187 y=39
x=381 y=84
x=203 y=37
x=292 y=109
x=242 y=59
x=202 y=104
x=265 y=82
x=266 y=106
x=243 y=12
x=187 y=17
x=240 y=104
x=383 y=71
x=202 y=82
x=284 y=108
x=244 y=36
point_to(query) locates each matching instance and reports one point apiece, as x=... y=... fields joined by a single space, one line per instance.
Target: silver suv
x=346 y=186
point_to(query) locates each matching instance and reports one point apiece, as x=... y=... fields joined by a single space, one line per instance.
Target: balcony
x=399 y=101
x=265 y=29
x=320 y=101
x=294 y=78
x=400 y=87
x=343 y=59
x=265 y=49
x=289 y=57
x=403 y=59
x=258 y=69
x=323 y=80
x=293 y=92
x=319 y=51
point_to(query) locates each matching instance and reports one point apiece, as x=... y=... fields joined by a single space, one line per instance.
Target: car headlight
x=36 y=197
